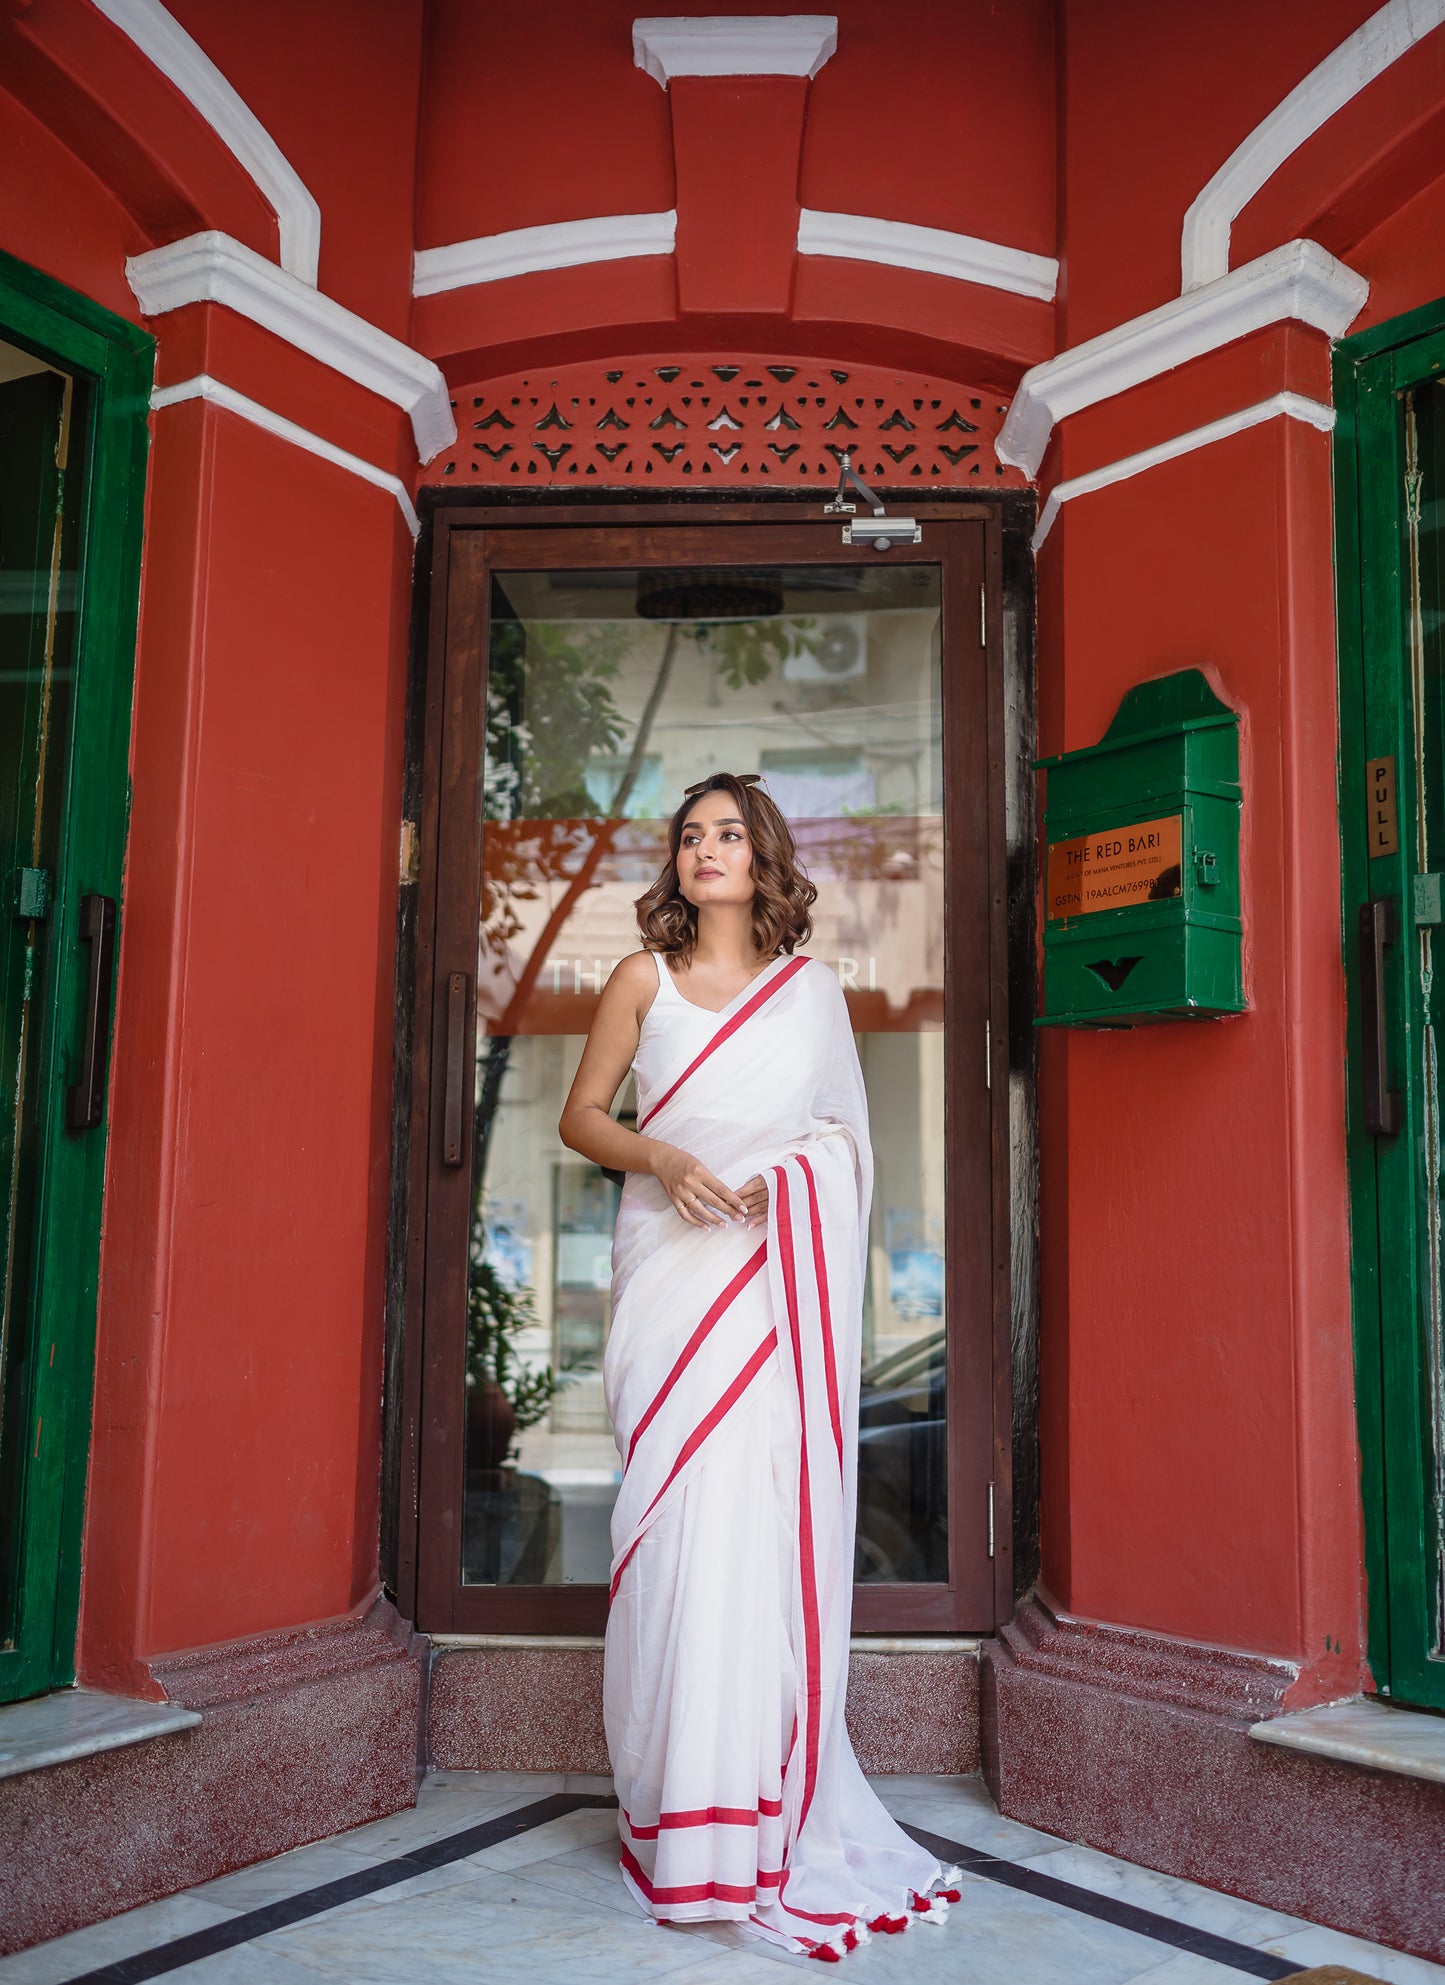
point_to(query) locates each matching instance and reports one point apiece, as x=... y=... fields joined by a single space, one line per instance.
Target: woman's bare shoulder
x=634 y=980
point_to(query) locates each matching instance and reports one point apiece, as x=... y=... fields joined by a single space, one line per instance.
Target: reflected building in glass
x=608 y=693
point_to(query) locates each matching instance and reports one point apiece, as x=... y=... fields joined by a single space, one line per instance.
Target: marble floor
x=486 y=1879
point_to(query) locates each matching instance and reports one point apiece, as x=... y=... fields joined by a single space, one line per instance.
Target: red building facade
x=1103 y=282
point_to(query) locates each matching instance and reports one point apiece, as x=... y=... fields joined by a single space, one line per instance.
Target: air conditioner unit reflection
x=833 y=649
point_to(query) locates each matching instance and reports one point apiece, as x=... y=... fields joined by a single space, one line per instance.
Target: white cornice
x=1297 y=281
x=1384 y=38
x=491 y=258
x=904 y=245
x=203 y=387
x=1293 y=406
x=162 y=39
x=734 y=45
x=213 y=268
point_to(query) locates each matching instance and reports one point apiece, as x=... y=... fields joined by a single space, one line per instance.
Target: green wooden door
x=1391 y=469
x=73 y=384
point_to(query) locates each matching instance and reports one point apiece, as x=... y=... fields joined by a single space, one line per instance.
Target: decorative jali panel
x=731 y=420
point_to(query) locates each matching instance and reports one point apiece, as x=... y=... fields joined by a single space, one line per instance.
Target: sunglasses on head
x=743 y=779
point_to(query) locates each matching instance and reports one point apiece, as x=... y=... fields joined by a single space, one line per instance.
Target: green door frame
x=117 y=359
x=1370 y=372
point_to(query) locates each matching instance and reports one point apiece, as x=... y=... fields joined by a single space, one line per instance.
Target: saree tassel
x=889 y=1925
x=850 y=1939
x=826 y=1953
x=948 y=1895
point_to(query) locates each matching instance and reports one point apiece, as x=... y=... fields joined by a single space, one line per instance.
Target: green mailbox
x=1141 y=914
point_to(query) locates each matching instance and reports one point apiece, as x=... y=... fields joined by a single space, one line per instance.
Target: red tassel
x=919 y=1904
x=949 y=1895
x=850 y=1939
x=889 y=1925
x=826 y=1952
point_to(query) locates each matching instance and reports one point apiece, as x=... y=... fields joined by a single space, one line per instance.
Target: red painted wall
x=521 y=128
x=1201 y=1475
x=1197 y=1401
x=235 y=1466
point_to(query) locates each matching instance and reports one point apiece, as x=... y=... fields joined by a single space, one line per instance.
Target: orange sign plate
x=1116 y=867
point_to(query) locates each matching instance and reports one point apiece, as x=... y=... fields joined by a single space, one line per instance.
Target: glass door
x=73 y=387
x=590 y=675
x=1393 y=658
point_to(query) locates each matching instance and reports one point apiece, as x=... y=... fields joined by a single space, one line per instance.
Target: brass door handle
x=1382 y=1103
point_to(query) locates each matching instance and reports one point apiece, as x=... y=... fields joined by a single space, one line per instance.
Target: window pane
x=608 y=693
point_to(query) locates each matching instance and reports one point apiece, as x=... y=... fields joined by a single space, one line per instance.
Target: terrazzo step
x=80 y=1723
x=1364 y=1732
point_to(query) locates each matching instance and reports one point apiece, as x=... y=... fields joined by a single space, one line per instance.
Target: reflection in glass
x=42 y=502
x=1423 y=413
x=607 y=694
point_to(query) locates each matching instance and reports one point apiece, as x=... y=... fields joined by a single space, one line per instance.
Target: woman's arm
x=588 y=1127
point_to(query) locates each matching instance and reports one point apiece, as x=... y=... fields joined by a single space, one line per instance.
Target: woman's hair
x=783 y=894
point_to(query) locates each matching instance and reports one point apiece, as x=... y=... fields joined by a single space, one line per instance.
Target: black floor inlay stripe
x=290 y=1909
x=420 y=1860
x=1123 y=1915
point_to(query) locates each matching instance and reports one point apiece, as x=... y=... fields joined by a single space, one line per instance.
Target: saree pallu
x=731 y=1376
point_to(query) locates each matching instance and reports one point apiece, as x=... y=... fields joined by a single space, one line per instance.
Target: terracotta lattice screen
x=737 y=420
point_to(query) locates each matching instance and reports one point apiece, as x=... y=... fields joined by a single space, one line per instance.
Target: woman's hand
x=700 y=1199
x=755 y=1199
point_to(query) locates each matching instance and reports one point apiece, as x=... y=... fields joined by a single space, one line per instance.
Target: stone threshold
x=1365 y=1732
x=860 y=1643
x=78 y=1723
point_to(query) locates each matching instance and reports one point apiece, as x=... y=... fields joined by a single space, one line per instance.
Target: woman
x=732 y=1380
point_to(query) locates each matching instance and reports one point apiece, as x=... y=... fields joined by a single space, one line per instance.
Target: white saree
x=732 y=1379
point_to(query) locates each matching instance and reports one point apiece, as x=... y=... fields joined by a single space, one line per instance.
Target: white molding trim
x=492 y=258
x=734 y=45
x=1297 y=281
x=1293 y=406
x=1329 y=86
x=934 y=250
x=213 y=268
x=203 y=387
x=161 y=38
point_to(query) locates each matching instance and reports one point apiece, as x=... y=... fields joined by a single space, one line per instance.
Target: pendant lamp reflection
x=709 y=596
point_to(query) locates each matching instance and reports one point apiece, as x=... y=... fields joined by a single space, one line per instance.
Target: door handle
x=1382 y=1103
x=455 y=1093
x=85 y=1101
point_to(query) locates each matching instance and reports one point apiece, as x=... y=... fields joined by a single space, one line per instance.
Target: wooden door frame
x=116 y=359
x=1369 y=371
x=456 y=603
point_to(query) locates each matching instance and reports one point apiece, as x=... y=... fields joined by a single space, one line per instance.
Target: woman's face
x=715 y=856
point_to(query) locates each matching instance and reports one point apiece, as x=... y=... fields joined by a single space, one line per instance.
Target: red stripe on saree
x=696 y=1438
x=694 y=1343
x=724 y=1033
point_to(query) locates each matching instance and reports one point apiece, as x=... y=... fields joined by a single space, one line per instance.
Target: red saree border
x=724 y=1033
x=820 y=1277
x=807 y=1567
x=748 y=1816
x=694 y=1441
x=716 y=1310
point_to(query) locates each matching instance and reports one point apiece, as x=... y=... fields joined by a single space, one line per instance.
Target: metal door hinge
x=990 y=1519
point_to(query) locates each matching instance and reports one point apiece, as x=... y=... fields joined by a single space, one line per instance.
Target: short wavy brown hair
x=783 y=896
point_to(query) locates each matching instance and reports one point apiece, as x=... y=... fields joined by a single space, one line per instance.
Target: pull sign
x=1384 y=816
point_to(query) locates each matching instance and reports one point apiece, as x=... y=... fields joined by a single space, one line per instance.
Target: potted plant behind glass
x=504 y=1396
